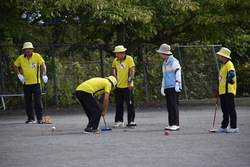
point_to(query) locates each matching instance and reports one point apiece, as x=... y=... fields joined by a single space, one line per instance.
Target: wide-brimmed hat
x=112 y=79
x=225 y=52
x=28 y=45
x=119 y=48
x=164 y=49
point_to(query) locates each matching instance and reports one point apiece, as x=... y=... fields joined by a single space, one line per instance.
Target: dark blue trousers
x=172 y=101
x=91 y=107
x=228 y=110
x=34 y=91
x=121 y=95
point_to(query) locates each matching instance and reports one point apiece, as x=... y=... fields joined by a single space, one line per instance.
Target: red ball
x=166 y=132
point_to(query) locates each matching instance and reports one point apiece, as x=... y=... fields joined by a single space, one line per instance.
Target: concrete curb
x=244 y=101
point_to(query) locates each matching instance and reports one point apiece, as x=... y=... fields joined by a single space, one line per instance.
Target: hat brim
x=111 y=81
x=28 y=48
x=223 y=55
x=119 y=51
x=166 y=53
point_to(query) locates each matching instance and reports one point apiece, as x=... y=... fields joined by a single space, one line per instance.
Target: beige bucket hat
x=28 y=45
x=165 y=49
x=225 y=52
x=112 y=79
x=119 y=48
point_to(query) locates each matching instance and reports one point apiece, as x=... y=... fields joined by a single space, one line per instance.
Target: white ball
x=53 y=128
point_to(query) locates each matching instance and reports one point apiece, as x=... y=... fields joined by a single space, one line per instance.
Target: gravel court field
x=147 y=145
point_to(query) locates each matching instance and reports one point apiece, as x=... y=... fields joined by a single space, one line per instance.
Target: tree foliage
x=130 y=22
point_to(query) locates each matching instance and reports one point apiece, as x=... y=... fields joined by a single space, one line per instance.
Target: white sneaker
x=174 y=127
x=131 y=124
x=118 y=124
x=167 y=127
x=222 y=130
x=232 y=130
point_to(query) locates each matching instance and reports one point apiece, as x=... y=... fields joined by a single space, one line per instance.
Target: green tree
x=130 y=22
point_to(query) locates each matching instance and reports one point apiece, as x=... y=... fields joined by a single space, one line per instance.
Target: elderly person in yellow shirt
x=123 y=68
x=86 y=93
x=31 y=64
x=227 y=91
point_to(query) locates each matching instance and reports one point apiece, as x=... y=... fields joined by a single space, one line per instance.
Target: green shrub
x=243 y=79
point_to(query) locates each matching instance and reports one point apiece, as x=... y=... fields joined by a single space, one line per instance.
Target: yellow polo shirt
x=31 y=68
x=122 y=70
x=225 y=87
x=96 y=86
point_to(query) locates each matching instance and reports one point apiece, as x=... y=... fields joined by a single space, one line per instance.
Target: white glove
x=162 y=91
x=45 y=78
x=21 y=77
x=177 y=87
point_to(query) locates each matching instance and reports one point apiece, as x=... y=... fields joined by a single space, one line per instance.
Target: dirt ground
x=24 y=145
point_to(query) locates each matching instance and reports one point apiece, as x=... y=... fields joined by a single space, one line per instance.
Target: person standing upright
x=171 y=85
x=123 y=68
x=227 y=91
x=31 y=64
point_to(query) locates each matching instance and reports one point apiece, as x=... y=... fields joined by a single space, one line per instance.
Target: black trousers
x=228 y=110
x=121 y=95
x=172 y=101
x=35 y=91
x=91 y=107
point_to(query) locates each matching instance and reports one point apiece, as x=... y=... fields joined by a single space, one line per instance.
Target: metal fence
x=199 y=69
x=69 y=65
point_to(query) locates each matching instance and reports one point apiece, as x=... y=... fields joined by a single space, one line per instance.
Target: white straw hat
x=28 y=45
x=119 y=48
x=164 y=49
x=225 y=52
x=112 y=79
